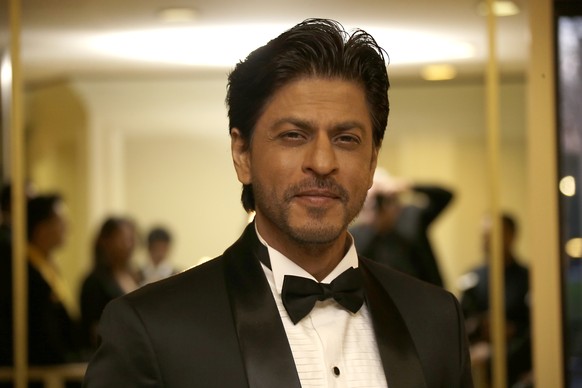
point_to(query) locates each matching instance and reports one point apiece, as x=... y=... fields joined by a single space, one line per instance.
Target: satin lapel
x=397 y=350
x=266 y=352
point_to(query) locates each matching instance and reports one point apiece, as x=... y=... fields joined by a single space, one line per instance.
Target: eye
x=347 y=140
x=292 y=136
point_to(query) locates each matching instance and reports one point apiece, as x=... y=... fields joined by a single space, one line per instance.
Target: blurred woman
x=112 y=274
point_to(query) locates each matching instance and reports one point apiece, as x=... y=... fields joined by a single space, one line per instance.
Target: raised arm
x=438 y=198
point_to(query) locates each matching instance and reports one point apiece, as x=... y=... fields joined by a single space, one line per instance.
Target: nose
x=320 y=157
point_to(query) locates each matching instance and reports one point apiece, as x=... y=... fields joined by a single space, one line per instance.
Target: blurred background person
x=475 y=305
x=158 y=264
x=397 y=233
x=112 y=274
x=5 y=218
x=5 y=277
x=52 y=313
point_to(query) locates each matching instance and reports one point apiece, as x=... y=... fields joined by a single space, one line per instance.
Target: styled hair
x=159 y=233
x=314 y=48
x=109 y=227
x=509 y=223
x=40 y=209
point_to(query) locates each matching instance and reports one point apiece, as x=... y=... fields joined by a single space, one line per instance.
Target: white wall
x=161 y=153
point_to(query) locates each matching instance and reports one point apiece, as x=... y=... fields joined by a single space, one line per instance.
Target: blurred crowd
x=63 y=328
x=393 y=228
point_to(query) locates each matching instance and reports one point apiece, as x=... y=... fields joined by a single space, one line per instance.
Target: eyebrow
x=310 y=125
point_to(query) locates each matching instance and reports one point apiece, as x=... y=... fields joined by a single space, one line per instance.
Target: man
x=475 y=304
x=396 y=233
x=307 y=114
x=52 y=313
x=158 y=265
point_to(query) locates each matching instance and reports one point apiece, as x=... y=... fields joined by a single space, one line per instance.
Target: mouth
x=317 y=193
x=317 y=196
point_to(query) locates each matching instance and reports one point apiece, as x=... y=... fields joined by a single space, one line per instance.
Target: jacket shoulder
x=419 y=302
x=181 y=324
x=191 y=284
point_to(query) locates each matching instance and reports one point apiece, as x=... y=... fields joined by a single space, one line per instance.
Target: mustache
x=328 y=184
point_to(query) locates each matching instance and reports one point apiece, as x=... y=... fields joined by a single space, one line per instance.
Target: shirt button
x=336 y=371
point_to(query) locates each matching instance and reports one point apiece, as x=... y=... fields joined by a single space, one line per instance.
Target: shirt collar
x=281 y=265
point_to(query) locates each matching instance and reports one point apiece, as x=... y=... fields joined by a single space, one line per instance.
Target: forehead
x=320 y=98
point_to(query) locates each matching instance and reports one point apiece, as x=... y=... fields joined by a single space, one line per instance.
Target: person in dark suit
x=396 y=233
x=5 y=277
x=475 y=304
x=5 y=215
x=291 y=304
x=52 y=313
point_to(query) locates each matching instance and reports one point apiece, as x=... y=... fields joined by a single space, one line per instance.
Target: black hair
x=313 y=48
x=508 y=223
x=108 y=228
x=40 y=209
x=159 y=233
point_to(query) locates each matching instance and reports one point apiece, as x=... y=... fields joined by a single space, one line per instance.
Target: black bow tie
x=300 y=294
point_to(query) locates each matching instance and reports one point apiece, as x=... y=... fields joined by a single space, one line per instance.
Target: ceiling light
x=500 y=8
x=177 y=15
x=231 y=43
x=438 y=72
x=408 y=47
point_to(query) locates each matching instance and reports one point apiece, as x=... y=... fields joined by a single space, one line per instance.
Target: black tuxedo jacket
x=217 y=325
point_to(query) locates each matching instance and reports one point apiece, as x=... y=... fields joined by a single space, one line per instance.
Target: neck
x=317 y=259
x=508 y=257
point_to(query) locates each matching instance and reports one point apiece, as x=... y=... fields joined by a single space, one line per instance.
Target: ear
x=373 y=165
x=241 y=157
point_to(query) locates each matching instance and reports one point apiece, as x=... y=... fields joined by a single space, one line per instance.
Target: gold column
x=548 y=356
x=496 y=260
x=19 y=268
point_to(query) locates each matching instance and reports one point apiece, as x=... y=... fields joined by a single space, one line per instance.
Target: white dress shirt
x=331 y=346
x=152 y=273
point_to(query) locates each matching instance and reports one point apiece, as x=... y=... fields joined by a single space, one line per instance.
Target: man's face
x=120 y=244
x=159 y=250
x=311 y=160
x=54 y=229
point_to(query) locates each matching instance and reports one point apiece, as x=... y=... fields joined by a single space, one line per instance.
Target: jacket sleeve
x=125 y=357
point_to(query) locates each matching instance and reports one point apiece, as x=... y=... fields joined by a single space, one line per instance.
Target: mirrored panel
x=569 y=65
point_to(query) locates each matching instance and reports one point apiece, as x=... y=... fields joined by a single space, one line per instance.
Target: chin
x=316 y=232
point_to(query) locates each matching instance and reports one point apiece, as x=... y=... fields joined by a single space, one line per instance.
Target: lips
x=318 y=198
x=318 y=193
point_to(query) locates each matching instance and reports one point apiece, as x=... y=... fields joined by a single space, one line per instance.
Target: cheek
x=271 y=167
x=359 y=173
